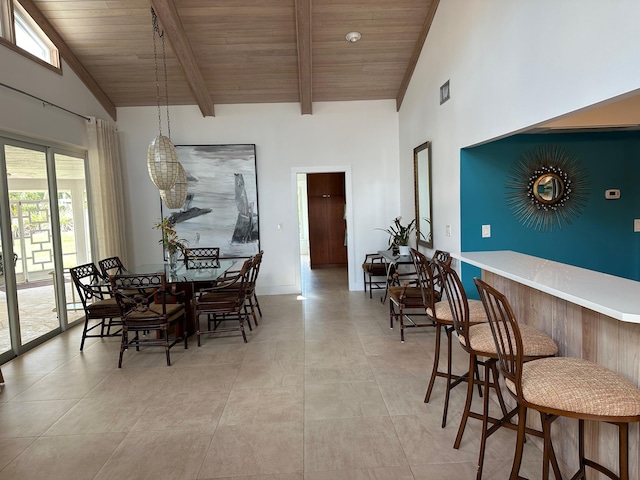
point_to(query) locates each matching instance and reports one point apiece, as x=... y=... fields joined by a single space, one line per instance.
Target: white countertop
x=615 y=297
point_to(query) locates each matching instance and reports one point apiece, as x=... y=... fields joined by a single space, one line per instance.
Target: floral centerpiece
x=399 y=235
x=170 y=241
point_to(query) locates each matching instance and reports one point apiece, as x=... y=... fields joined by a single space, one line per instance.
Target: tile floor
x=322 y=390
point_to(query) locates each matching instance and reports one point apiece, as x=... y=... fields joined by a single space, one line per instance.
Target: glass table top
x=184 y=274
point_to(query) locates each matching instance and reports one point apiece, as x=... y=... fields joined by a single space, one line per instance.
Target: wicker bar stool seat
x=539 y=344
x=578 y=386
x=559 y=387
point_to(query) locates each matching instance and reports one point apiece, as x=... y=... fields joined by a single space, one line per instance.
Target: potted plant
x=171 y=242
x=399 y=235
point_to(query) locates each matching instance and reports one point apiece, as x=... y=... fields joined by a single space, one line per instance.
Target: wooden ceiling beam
x=413 y=61
x=69 y=57
x=303 y=33
x=168 y=16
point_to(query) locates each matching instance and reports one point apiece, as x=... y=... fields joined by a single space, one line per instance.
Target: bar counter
x=590 y=315
x=612 y=296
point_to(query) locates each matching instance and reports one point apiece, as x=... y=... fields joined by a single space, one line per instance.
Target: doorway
x=299 y=179
x=326 y=215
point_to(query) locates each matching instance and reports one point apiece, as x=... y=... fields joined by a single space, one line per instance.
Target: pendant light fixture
x=175 y=197
x=162 y=158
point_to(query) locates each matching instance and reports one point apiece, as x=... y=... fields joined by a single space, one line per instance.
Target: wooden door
x=327 y=226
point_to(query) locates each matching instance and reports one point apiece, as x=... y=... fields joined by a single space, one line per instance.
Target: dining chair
x=376 y=272
x=251 y=297
x=251 y=301
x=476 y=340
x=97 y=301
x=111 y=266
x=15 y=262
x=146 y=305
x=225 y=301
x=202 y=257
x=414 y=299
x=559 y=387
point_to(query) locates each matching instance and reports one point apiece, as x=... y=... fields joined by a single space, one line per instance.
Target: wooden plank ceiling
x=245 y=51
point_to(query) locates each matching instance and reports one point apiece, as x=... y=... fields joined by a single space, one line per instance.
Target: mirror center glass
x=548 y=188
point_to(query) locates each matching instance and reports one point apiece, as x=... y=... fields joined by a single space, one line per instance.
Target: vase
x=173 y=262
x=405 y=250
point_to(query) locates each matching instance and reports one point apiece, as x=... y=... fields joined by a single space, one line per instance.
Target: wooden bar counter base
x=590 y=315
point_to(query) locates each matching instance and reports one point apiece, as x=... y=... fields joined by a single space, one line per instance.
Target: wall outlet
x=448 y=230
x=636 y=225
x=279 y=226
x=486 y=231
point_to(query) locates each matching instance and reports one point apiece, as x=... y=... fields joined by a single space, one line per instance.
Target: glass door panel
x=32 y=241
x=74 y=223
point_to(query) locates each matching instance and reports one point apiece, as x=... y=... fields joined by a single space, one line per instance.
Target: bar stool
x=442 y=316
x=559 y=386
x=477 y=341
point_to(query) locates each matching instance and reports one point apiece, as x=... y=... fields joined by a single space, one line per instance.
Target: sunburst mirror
x=547 y=188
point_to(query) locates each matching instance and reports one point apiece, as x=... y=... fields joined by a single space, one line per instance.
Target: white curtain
x=105 y=171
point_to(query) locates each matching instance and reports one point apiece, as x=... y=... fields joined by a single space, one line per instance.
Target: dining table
x=184 y=282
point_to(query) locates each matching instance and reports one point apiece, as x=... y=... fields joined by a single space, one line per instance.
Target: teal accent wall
x=601 y=239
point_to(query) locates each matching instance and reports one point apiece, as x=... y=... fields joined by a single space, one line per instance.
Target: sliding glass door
x=45 y=191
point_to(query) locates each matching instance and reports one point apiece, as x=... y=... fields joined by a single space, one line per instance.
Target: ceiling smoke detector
x=353 y=37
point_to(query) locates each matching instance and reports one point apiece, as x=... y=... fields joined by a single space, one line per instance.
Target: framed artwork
x=221 y=209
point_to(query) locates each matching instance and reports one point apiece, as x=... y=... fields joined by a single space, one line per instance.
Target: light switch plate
x=486 y=231
x=636 y=225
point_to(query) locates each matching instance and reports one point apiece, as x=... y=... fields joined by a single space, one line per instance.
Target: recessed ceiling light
x=353 y=37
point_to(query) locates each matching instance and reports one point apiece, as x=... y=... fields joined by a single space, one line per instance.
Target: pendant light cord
x=159 y=33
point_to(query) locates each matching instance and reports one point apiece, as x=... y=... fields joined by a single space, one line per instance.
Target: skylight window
x=28 y=39
x=25 y=33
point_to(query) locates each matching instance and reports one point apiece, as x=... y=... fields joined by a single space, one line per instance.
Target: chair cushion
x=477 y=313
x=412 y=298
x=536 y=343
x=579 y=386
x=107 y=307
x=172 y=310
x=229 y=295
x=375 y=269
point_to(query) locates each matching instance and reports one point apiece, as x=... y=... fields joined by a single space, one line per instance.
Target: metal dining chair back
x=97 y=302
x=111 y=266
x=202 y=257
x=146 y=305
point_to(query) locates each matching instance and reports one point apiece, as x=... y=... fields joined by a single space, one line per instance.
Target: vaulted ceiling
x=240 y=51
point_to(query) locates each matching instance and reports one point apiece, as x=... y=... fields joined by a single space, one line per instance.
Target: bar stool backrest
x=506 y=333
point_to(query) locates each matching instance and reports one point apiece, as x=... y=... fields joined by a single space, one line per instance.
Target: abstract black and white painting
x=221 y=209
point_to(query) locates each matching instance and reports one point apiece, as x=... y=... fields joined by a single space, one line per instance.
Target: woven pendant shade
x=174 y=197
x=162 y=162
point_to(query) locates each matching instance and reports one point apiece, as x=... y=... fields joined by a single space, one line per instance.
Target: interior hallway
x=322 y=390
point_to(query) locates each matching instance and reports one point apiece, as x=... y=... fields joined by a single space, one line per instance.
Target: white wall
x=511 y=65
x=360 y=137
x=27 y=116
